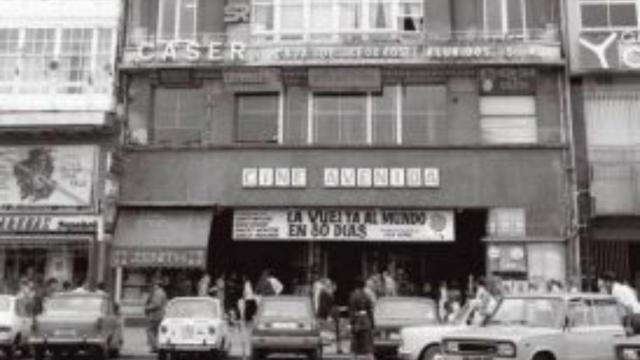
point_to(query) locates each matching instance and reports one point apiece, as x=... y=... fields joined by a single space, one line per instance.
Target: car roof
x=80 y=294
x=562 y=295
x=405 y=299
x=195 y=298
x=286 y=298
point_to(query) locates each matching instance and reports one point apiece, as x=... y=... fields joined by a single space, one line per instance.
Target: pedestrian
x=154 y=311
x=443 y=297
x=325 y=300
x=370 y=289
x=362 y=321
x=484 y=298
x=204 y=285
x=389 y=284
x=249 y=298
x=624 y=293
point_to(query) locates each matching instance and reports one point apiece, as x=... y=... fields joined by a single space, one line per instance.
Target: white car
x=423 y=342
x=15 y=325
x=193 y=325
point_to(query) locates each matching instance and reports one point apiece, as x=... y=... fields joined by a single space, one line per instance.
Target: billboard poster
x=47 y=176
x=344 y=225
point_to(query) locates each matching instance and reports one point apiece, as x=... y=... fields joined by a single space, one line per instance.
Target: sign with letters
x=344 y=225
x=20 y=223
x=609 y=50
x=170 y=258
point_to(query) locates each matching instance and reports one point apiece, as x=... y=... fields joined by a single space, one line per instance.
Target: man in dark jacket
x=362 y=322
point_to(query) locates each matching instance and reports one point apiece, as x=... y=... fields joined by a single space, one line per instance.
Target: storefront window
x=508 y=119
x=258 y=117
x=181 y=116
x=310 y=20
x=609 y=14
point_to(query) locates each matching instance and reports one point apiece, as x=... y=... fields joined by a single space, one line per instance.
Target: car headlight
x=506 y=349
x=451 y=346
x=630 y=354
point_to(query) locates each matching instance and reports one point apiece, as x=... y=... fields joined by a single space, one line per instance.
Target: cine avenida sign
x=344 y=225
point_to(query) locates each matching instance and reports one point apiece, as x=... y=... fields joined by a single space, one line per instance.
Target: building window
x=181 y=116
x=177 y=19
x=508 y=119
x=507 y=222
x=257 y=118
x=385 y=116
x=505 y=17
x=340 y=119
x=56 y=60
x=599 y=14
x=75 y=59
x=8 y=58
x=323 y=20
x=38 y=60
x=396 y=115
x=423 y=107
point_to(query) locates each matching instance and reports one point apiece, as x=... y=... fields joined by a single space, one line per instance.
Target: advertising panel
x=344 y=225
x=47 y=176
x=609 y=50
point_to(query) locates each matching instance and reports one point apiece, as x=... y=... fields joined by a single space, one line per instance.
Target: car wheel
x=315 y=354
x=100 y=353
x=543 y=357
x=430 y=353
x=38 y=354
x=257 y=354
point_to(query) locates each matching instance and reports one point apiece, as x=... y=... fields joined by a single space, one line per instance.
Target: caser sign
x=615 y=50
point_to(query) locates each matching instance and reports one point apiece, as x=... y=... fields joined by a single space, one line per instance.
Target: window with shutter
x=508 y=119
x=602 y=15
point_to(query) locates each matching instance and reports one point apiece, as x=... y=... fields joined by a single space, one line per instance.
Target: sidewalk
x=135 y=345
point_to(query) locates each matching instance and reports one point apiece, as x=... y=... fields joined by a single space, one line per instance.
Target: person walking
x=362 y=321
x=154 y=311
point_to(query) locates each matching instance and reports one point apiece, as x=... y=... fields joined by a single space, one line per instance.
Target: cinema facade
x=367 y=145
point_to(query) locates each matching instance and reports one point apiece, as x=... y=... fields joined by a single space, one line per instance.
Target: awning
x=44 y=241
x=161 y=238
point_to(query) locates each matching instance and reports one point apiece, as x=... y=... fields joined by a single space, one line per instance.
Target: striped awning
x=168 y=238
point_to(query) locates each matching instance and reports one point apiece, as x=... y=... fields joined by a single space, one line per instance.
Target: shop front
x=346 y=243
x=48 y=223
x=158 y=243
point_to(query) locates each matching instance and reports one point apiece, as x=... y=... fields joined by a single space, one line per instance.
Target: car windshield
x=292 y=309
x=535 y=312
x=75 y=304
x=412 y=310
x=5 y=303
x=192 y=308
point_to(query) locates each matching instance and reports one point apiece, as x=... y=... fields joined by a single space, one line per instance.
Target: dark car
x=391 y=314
x=75 y=322
x=285 y=324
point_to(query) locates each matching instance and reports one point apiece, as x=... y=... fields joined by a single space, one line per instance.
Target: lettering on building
x=345 y=177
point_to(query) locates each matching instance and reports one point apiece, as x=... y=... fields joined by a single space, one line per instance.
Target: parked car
x=628 y=348
x=423 y=342
x=193 y=325
x=285 y=324
x=86 y=322
x=15 y=326
x=542 y=327
x=393 y=313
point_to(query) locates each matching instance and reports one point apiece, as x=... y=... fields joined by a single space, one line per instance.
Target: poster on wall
x=344 y=225
x=47 y=175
